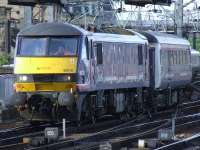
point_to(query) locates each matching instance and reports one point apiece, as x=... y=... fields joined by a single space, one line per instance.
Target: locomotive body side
x=115 y=63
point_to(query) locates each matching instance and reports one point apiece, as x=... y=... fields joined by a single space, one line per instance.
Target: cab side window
x=99 y=54
x=87 y=46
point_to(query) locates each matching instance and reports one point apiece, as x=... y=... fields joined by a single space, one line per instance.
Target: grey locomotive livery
x=116 y=61
x=119 y=72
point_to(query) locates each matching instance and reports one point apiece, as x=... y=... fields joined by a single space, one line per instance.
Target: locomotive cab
x=46 y=67
x=46 y=63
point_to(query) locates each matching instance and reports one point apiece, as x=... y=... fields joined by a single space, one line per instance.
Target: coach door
x=152 y=66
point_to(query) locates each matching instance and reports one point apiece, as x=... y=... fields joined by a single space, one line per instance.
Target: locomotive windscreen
x=31 y=46
x=63 y=46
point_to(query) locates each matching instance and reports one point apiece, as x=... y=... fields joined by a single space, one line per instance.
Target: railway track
x=16 y=141
x=183 y=144
x=77 y=135
x=25 y=129
x=121 y=135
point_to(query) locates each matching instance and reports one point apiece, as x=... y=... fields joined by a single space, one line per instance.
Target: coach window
x=161 y=56
x=181 y=56
x=99 y=54
x=140 y=56
x=133 y=59
x=184 y=58
x=108 y=57
x=173 y=57
x=164 y=57
x=170 y=57
x=129 y=48
x=176 y=57
x=189 y=57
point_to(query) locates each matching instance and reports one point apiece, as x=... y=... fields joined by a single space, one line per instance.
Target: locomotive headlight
x=68 y=78
x=24 y=78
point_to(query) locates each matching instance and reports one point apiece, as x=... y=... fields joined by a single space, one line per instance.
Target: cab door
x=95 y=62
x=98 y=65
x=91 y=63
x=141 y=64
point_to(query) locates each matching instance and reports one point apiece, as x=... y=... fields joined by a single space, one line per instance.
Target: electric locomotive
x=63 y=71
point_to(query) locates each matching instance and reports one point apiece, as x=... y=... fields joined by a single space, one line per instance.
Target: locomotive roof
x=52 y=29
x=164 y=38
x=118 y=38
x=64 y=29
x=115 y=30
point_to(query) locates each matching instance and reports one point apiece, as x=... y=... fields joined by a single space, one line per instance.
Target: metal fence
x=6 y=88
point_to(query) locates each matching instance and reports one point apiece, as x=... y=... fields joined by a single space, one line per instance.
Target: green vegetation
x=197 y=43
x=4 y=59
